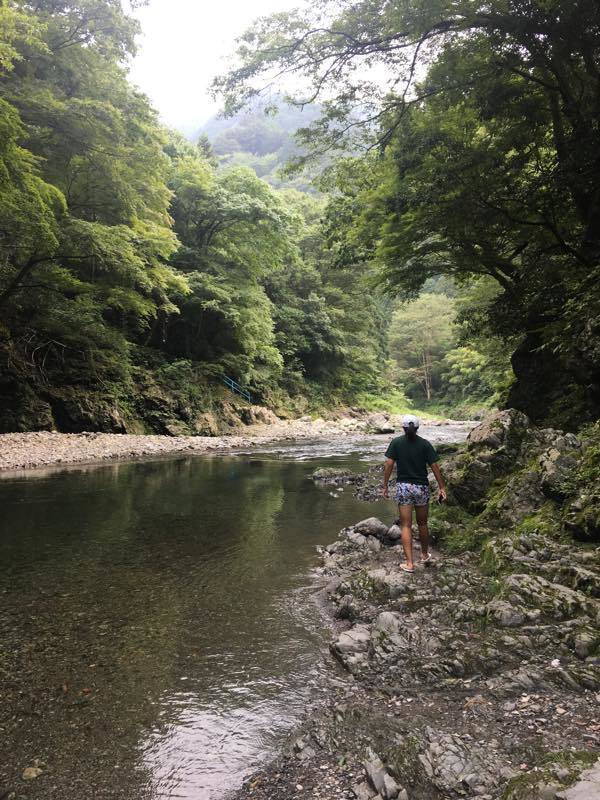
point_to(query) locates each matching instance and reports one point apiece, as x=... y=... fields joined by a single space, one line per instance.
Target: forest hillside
x=136 y=270
x=466 y=140
x=440 y=249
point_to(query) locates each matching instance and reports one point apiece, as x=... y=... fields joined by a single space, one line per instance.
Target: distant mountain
x=263 y=142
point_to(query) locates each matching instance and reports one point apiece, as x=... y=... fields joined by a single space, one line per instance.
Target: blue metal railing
x=235 y=387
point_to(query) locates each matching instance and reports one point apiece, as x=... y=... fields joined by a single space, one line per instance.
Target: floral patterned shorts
x=412 y=494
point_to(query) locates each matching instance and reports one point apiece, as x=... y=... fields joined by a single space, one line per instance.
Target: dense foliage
x=480 y=122
x=132 y=265
x=459 y=143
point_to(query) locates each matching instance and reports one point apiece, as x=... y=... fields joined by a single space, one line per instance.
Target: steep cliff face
x=512 y=473
x=148 y=403
x=557 y=391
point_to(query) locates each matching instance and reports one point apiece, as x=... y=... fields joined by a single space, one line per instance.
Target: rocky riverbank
x=479 y=676
x=22 y=451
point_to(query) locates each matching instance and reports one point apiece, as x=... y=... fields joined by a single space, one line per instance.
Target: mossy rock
x=452 y=527
x=329 y=474
x=582 y=518
x=502 y=433
x=21 y=409
x=76 y=410
x=363 y=587
x=546 y=522
x=557 y=771
x=403 y=763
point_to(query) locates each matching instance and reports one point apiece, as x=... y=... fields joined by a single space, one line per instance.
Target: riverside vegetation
x=480 y=676
x=137 y=268
x=464 y=142
x=134 y=272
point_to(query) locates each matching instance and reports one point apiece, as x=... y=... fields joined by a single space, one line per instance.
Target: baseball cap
x=409 y=420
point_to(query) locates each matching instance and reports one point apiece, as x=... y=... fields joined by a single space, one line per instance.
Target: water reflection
x=156 y=624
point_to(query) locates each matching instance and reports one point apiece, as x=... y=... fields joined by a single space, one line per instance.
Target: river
x=159 y=634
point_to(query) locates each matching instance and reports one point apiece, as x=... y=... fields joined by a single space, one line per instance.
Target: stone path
x=461 y=685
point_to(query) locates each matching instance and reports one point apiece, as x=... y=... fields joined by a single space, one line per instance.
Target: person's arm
x=435 y=468
x=387 y=471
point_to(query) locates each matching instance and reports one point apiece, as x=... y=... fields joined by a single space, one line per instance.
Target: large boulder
x=469 y=479
x=205 y=424
x=501 y=433
x=493 y=450
x=258 y=415
x=380 y=423
x=521 y=497
x=76 y=412
x=372 y=526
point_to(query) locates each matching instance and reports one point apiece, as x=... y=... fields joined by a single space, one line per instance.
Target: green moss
x=365 y=588
x=527 y=786
x=452 y=527
x=491 y=563
x=403 y=760
x=470 y=538
x=496 y=495
x=546 y=522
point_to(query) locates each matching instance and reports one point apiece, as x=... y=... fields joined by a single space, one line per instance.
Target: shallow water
x=158 y=630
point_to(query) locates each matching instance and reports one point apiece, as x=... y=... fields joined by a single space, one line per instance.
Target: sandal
x=406 y=568
x=427 y=559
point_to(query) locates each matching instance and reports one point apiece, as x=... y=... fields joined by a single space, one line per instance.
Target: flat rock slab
x=355 y=640
x=390 y=584
x=586 y=788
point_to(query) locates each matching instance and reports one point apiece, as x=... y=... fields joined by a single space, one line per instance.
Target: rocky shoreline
x=26 y=451
x=478 y=677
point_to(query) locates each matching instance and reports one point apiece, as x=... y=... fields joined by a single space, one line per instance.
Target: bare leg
x=405 y=513
x=422 y=513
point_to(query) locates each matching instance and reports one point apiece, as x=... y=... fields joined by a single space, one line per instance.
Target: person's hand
x=385 y=492
x=442 y=496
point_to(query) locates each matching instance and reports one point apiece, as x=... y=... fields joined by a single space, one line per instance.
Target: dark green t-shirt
x=412 y=456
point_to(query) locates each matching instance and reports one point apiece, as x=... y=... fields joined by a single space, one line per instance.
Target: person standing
x=412 y=455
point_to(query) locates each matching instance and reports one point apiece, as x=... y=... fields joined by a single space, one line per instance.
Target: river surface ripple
x=157 y=618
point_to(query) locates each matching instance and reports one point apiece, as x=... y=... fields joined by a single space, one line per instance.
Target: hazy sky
x=184 y=45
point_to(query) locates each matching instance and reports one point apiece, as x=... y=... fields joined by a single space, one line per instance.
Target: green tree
x=328 y=320
x=234 y=230
x=488 y=129
x=421 y=333
x=86 y=231
x=464 y=375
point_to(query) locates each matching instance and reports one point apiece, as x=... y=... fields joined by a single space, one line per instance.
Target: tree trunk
x=22 y=273
x=427 y=374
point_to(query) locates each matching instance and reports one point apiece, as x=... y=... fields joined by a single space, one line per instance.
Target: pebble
x=22 y=451
x=31 y=773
